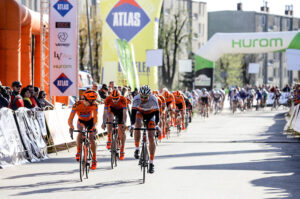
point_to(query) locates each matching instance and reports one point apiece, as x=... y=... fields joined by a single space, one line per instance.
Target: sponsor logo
x=62 y=36
x=127 y=19
x=63 y=24
x=61 y=56
x=252 y=43
x=62 y=66
x=202 y=80
x=63 y=7
x=62 y=83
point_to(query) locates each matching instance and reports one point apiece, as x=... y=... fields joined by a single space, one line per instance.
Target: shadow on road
x=287 y=166
x=78 y=188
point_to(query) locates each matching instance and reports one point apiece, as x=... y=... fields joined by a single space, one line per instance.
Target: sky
x=275 y=6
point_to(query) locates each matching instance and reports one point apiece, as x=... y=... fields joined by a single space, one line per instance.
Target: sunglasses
x=115 y=99
x=144 y=97
x=18 y=86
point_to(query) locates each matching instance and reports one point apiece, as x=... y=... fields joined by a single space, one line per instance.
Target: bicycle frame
x=115 y=143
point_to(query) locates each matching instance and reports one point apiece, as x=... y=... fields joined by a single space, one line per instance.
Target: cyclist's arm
x=133 y=114
x=71 y=117
x=156 y=113
x=95 y=113
x=124 y=115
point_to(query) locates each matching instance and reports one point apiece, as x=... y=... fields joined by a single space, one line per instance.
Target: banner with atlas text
x=63 y=47
x=135 y=21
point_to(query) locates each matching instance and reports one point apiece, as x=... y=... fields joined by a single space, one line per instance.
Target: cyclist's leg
x=182 y=112
x=151 y=134
x=80 y=127
x=110 y=117
x=89 y=126
x=137 y=135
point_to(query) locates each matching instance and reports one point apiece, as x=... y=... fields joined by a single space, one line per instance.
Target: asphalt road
x=246 y=155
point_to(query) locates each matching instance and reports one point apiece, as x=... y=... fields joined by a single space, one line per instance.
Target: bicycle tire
x=112 y=150
x=86 y=158
x=117 y=144
x=81 y=169
x=145 y=162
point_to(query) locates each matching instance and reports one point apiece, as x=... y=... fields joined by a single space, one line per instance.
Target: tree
x=228 y=70
x=171 y=36
x=249 y=58
x=82 y=42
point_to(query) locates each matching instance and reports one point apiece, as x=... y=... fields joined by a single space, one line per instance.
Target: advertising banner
x=134 y=21
x=11 y=147
x=63 y=47
x=222 y=43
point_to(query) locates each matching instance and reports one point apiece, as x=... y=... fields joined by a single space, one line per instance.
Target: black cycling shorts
x=204 y=100
x=87 y=124
x=118 y=113
x=179 y=106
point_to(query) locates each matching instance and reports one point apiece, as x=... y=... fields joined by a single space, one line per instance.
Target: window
x=274 y=72
x=195 y=35
x=202 y=33
x=199 y=28
x=200 y=9
x=289 y=24
x=195 y=16
x=264 y=20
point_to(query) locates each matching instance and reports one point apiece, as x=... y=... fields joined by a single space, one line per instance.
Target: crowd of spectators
x=30 y=97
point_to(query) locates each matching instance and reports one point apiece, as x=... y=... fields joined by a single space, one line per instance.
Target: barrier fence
x=25 y=135
x=294 y=122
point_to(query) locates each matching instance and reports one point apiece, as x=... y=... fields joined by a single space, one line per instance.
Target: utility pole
x=89 y=36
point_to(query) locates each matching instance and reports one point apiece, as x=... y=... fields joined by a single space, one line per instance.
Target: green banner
x=126 y=61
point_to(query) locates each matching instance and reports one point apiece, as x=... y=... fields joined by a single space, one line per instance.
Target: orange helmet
x=176 y=93
x=166 y=94
x=115 y=94
x=90 y=95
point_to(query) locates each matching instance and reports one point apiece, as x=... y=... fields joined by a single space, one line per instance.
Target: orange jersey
x=121 y=104
x=180 y=100
x=170 y=99
x=163 y=100
x=84 y=113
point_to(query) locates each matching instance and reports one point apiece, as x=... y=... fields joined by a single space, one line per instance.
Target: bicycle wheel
x=117 y=145
x=87 y=160
x=112 y=150
x=81 y=164
x=145 y=161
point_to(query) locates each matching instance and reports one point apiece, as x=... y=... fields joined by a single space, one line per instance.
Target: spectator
x=42 y=100
x=286 y=89
x=25 y=93
x=95 y=86
x=103 y=91
x=36 y=95
x=120 y=89
x=111 y=87
x=31 y=90
x=4 y=97
x=135 y=92
x=16 y=100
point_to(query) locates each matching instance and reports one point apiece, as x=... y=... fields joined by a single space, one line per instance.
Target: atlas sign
x=252 y=43
x=126 y=19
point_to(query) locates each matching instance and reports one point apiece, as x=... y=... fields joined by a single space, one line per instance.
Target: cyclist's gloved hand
x=71 y=132
x=103 y=126
x=131 y=129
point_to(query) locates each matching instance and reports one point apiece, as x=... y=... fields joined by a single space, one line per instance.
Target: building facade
x=273 y=68
x=196 y=26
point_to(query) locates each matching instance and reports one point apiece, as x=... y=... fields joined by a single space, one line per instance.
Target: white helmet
x=145 y=90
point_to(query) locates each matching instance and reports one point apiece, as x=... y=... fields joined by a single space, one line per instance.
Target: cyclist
x=180 y=105
x=115 y=105
x=217 y=97
x=189 y=107
x=170 y=103
x=87 y=111
x=204 y=97
x=162 y=106
x=145 y=107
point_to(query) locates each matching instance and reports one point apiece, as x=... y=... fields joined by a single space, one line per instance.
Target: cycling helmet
x=204 y=90
x=166 y=94
x=145 y=90
x=115 y=94
x=176 y=93
x=90 y=95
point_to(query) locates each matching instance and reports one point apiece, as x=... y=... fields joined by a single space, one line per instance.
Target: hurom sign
x=222 y=43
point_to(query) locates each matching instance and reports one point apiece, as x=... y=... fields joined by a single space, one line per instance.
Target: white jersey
x=147 y=107
x=205 y=94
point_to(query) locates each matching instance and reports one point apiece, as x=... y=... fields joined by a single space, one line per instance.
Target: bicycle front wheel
x=144 y=161
x=88 y=159
x=81 y=163
x=113 y=150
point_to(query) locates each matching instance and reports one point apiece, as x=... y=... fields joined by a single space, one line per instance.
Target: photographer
x=4 y=97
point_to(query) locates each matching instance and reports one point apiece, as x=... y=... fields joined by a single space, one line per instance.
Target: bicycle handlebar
x=149 y=129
